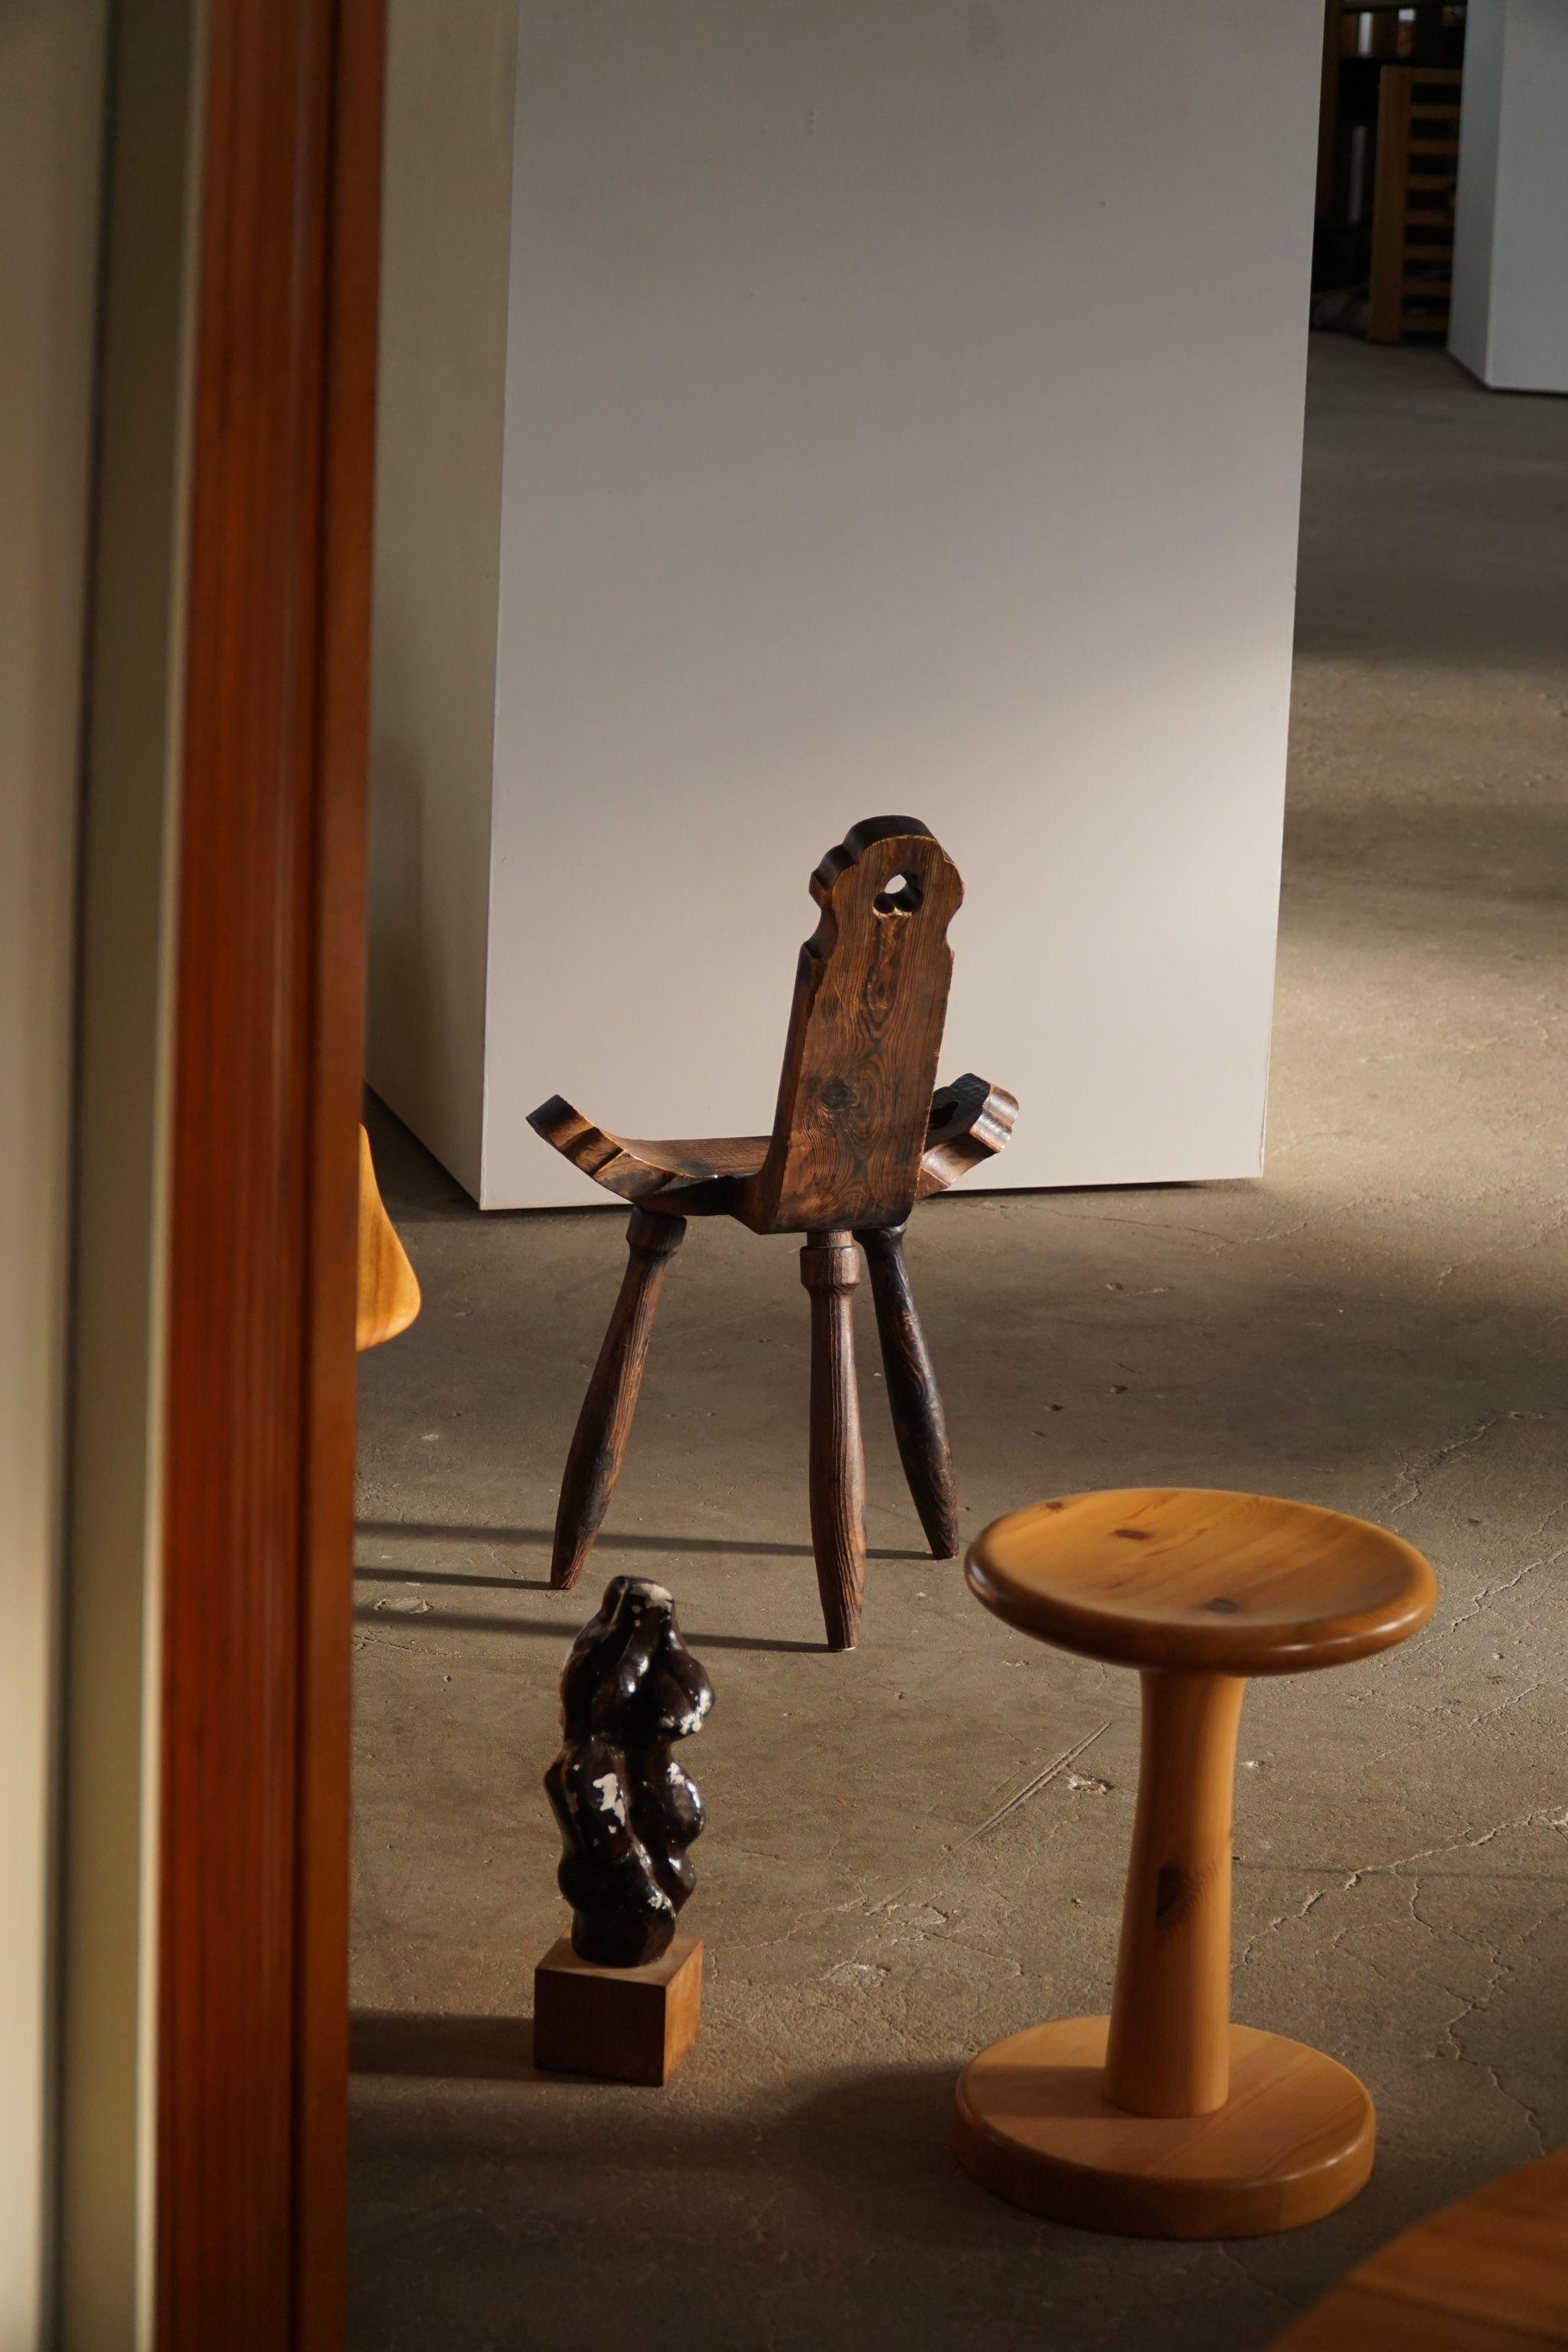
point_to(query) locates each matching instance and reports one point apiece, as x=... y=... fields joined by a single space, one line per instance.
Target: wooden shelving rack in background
x=1412 y=204
x=1388 y=153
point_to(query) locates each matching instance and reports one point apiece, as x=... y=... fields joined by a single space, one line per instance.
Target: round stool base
x=1293 y=2141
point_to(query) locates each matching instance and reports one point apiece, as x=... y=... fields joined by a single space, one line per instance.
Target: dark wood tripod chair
x=858 y=1136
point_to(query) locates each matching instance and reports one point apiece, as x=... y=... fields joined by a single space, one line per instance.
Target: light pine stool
x=1165 y=2120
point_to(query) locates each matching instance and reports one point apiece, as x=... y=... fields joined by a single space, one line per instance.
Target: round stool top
x=1201 y=1578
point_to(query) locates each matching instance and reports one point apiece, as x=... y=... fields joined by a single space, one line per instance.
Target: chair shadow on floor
x=549 y=1629
x=370 y=1571
x=727 y=1547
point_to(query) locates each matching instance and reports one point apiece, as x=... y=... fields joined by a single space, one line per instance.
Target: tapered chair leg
x=918 y=1422
x=830 y=1270
x=605 y=1423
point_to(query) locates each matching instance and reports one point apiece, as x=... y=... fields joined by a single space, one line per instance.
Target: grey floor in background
x=1381 y=1325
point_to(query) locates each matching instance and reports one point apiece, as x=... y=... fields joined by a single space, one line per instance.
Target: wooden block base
x=1293 y=2141
x=625 y=2025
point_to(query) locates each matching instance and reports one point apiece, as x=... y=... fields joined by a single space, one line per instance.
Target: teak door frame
x=252 y=2008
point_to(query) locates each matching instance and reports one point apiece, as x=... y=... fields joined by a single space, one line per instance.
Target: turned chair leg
x=830 y=1270
x=605 y=1423
x=919 y=1422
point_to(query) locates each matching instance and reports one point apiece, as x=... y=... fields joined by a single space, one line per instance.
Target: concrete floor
x=1378 y=1325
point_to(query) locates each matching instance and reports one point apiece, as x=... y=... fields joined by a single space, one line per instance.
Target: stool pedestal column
x=1164 y=2120
x=1168 y=2051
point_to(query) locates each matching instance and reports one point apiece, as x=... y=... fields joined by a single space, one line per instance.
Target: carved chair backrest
x=860 y=1068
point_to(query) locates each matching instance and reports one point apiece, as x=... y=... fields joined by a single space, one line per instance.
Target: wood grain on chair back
x=859 y=1068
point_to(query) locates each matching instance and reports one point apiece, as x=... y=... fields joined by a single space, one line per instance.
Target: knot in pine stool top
x=1165 y=2119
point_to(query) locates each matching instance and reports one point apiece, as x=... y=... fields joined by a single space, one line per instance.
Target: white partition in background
x=1508 y=320
x=900 y=409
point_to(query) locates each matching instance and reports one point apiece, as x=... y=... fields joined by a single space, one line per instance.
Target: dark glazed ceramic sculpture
x=628 y=1811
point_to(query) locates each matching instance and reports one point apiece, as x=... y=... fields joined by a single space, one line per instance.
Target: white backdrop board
x=902 y=412
x=1508 y=321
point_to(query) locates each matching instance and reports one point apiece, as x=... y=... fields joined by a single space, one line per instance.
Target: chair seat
x=1201 y=1578
x=641 y=1170
x=696 y=1176
x=697 y=1158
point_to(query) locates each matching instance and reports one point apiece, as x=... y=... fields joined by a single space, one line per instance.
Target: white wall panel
x=1509 y=324
x=904 y=406
x=446 y=238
